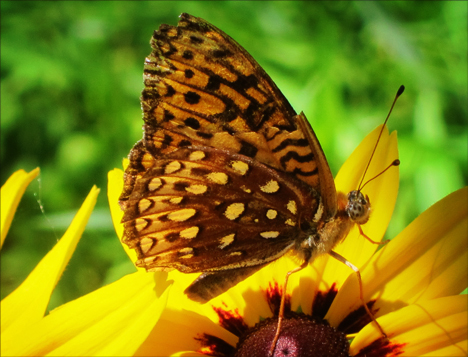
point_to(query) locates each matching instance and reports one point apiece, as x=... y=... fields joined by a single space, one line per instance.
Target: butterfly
x=227 y=177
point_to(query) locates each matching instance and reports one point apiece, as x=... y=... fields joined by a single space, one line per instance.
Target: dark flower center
x=301 y=336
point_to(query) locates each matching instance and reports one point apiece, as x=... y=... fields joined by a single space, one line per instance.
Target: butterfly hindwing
x=202 y=199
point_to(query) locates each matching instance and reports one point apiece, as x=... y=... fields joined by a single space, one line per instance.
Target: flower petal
x=457 y=349
x=113 y=320
x=427 y=260
x=114 y=189
x=27 y=304
x=382 y=193
x=421 y=328
x=11 y=194
x=165 y=341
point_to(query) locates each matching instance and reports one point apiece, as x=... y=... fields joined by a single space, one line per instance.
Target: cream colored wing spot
x=235 y=253
x=290 y=222
x=172 y=167
x=181 y=215
x=245 y=189
x=270 y=234
x=144 y=204
x=226 y=240
x=189 y=233
x=240 y=167
x=146 y=244
x=154 y=184
x=271 y=214
x=186 y=253
x=140 y=224
x=176 y=200
x=218 y=177
x=197 y=189
x=291 y=206
x=197 y=155
x=319 y=213
x=271 y=186
x=234 y=210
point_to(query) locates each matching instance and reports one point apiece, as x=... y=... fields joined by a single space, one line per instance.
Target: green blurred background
x=71 y=77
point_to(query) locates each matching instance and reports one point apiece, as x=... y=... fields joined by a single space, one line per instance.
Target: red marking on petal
x=323 y=301
x=357 y=319
x=214 y=346
x=273 y=297
x=231 y=320
x=382 y=348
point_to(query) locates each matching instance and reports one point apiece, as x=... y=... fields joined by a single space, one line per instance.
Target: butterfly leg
x=370 y=240
x=361 y=292
x=281 y=310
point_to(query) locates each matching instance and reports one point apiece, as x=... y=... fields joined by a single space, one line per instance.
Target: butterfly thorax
x=352 y=209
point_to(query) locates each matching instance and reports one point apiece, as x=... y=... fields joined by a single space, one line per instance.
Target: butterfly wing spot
x=197 y=189
x=197 y=155
x=181 y=215
x=172 y=167
x=270 y=234
x=189 y=233
x=234 y=210
x=176 y=200
x=144 y=204
x=218 y=177
x=235 y=253
x=319 y=213
x=226 y=240
x=186 y=253
x=271 y=214
x=245 y=189
x=141 y=224
x=154 y=184
x=146 y=244
x=271 y=186
x=290 y=222
x=240 y=167
x=292 y=207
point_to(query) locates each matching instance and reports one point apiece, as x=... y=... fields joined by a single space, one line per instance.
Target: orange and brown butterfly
x=227 y=177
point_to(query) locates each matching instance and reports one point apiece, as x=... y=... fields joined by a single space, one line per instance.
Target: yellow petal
x=11 y=194
x=114 y=189
x=113 y=320
x=27 y=304
x=457 y=349
x=177 y=331
x=382 y=193
x=427 y=260
x=422 y=328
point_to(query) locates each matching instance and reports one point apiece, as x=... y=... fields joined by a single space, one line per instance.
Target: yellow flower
x=411 y=285
x=112 y=320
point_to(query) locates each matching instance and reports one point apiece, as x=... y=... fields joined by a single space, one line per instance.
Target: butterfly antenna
x=394 y=163
x=399 y=92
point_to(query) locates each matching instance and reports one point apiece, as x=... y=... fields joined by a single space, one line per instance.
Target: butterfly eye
x=358 y=207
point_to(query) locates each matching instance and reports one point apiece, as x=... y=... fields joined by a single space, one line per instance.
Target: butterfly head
x=358 y=207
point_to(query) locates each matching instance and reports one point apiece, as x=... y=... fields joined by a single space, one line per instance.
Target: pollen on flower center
x=301 y=335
